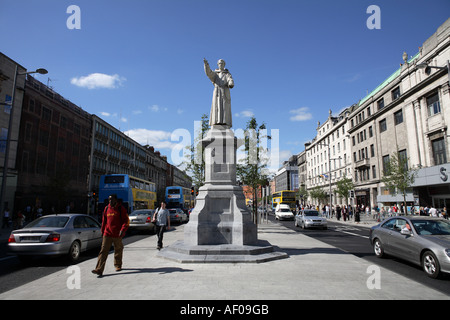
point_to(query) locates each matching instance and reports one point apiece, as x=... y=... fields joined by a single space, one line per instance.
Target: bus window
x=114 y=179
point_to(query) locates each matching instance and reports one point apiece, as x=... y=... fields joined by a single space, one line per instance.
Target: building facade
x=53 y=151
x=8 y=69
x=328 y=157
x=408 y=113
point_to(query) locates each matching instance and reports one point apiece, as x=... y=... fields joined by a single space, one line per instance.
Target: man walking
x=115 y=223
x=162 y=219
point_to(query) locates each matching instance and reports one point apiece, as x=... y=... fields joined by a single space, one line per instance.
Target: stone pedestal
x=220 y=228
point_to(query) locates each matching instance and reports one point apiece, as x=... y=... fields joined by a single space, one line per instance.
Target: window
x=402 y=158
x=385 y=163
x=374 y=172
x=380 y=104
x=370 y=132
x=383 y=126
x=46 y=114
x=439 y=153
x=396 y=93
x=43 y=138
x=433 y=104
x=398 y=117
x=372 y=150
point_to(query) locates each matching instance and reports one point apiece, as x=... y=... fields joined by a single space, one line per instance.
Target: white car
x=283 y=212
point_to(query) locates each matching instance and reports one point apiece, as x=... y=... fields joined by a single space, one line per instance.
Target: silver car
x=310 y=219
x=142 y=220
x=424 y=241
x=178 y=215
x=61 y=234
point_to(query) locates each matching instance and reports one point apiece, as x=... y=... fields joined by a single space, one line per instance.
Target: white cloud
x=156 y=138
x=156 y=108
x=245 y=114
x=300 y=114
x=98 y=80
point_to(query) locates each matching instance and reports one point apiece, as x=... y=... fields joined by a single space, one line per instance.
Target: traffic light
x=192 y=190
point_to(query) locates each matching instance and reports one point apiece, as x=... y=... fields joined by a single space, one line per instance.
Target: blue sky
x=138 y=64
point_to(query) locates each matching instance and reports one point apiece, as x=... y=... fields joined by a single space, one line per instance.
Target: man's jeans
x=160 y=233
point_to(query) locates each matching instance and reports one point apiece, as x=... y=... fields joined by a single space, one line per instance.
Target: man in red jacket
x=115 y=223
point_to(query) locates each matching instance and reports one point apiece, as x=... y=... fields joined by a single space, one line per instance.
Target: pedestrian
x=6 y=218
x=115 y=223
x=162 y=220
x=344 y=212
x=338 y=212
x=444 y=213
x=357 y=214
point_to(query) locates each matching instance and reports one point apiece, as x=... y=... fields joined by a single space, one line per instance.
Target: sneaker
x=118 y=268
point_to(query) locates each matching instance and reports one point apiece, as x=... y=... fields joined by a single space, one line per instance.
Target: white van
x=283 y=212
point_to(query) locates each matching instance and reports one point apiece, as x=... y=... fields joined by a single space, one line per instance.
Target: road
x=349 y=238
x=354 y=239
x=13 y=273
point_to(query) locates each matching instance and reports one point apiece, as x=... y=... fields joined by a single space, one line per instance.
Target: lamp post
x=427 y=68
x=8 y=138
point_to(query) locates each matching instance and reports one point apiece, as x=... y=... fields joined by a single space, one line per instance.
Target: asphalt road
x=349 y=238
x=14 y=273
x=354 y=239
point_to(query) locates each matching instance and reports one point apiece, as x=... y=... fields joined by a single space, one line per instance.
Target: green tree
x=343 y=187
x=397 y=176
x=319 y=194
x=195 y=161
x=253 y=170
x=302 y=194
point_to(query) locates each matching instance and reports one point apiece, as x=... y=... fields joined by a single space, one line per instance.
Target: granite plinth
x=222 y=253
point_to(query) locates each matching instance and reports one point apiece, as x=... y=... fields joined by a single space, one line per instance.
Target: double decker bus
x=179 y=197
x=132 y=192
x=285 y=197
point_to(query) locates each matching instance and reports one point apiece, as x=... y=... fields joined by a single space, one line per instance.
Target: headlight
x=447 y=252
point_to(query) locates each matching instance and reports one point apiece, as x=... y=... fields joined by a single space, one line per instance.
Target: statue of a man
x=221 y=102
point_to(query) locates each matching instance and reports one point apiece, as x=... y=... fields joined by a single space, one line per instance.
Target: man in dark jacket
x=115 y=223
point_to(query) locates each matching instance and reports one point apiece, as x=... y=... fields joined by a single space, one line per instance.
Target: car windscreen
x=285 y=210
x=311 y=213
x=46 y=222
x=431 y=227
x=141 y=213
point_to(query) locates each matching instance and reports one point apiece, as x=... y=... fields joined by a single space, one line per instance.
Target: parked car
x=310 y=219
x=142 y=220
x=178 y=215
x=424 y=241
x=283 y=212
x=61 y=234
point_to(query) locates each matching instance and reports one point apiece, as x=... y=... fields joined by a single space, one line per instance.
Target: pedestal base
x=224 y=253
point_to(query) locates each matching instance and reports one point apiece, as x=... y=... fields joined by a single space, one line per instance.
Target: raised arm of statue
x=211 y=75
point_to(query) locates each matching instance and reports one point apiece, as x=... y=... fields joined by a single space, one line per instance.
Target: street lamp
x=8 y=139
x=427 y=68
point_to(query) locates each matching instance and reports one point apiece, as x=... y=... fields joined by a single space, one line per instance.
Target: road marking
x=353 y=234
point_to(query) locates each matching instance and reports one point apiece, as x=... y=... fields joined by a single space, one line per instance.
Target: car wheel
x=74 y=251
x=378 y=248
x=431 y=265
